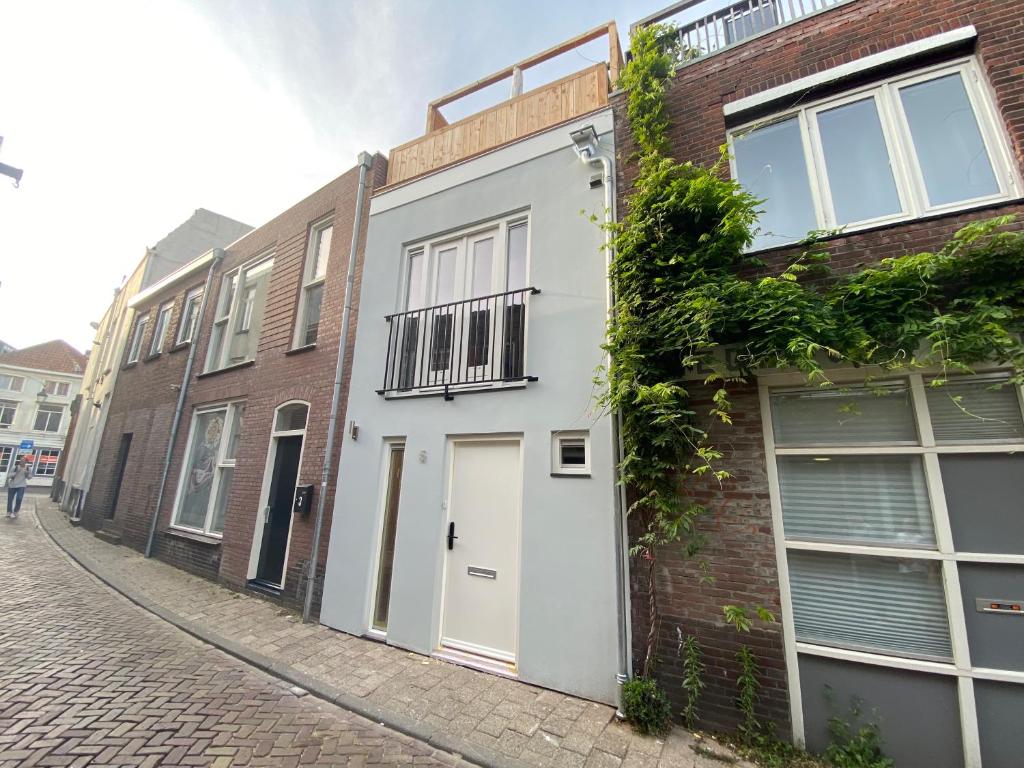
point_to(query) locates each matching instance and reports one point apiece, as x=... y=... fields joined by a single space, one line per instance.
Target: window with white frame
x=48 y=418
x=887 y=495
x=570 y=452
x=189 y=316
x=464 y=306
x=6 y=457
x=8 y=409
x=11 y=383
x=909 y=146
x=239 y=318
x=46 y=462
x=56 y=388
x=205 y=485
x=163 y=320
x=135 y=346
x=313 y=277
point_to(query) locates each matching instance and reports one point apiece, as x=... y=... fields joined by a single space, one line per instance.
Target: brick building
x=255 y=416
x=899 y=121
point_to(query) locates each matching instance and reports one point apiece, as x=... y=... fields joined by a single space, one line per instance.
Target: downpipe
x=589 y=157
x=365 y=162
x=218 y=256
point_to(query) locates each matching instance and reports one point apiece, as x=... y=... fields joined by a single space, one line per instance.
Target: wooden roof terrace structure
x=523 y=114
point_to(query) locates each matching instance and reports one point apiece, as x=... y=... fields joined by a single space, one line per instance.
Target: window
x=570 y=453
x=46 y=462
x=903 y=148
x=163 y=320
x=56 y=388
x=887 y=494
x=48 y=418
x=6 y=457
x=240 y=305
x=314 y=275
x=189 y=316
x=205 y=486
x=11 y=383
x=135 y=347
x=7 y=410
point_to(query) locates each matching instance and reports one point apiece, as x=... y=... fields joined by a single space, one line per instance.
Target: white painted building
x=37 y=387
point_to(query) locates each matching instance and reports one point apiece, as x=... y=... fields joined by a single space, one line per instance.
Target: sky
x=127 y=116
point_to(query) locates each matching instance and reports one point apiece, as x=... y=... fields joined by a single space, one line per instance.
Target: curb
x=468 y=754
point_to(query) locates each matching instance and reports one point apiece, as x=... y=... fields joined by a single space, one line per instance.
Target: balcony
x=731 y=24
x=521 y=115
x=463 y=345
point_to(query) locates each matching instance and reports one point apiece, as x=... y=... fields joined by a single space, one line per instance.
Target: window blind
x=843 y=417
x=870 y=603
x=969 y=411
x=875 y=499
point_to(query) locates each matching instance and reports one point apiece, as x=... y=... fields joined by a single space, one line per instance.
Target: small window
x=291 y=417
x=189 y=316
x=11 y=383
x=239 y=319
x=135 y=349
x=48 y=418
x=314 y=274
x=56 y=388
x=46 y=462
x=163 y=320
x=570 y=453
x=982 y=410
x=7 y=410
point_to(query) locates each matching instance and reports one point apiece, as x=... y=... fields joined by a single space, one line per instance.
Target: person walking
x=17 y=481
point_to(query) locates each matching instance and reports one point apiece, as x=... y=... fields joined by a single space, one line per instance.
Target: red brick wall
x=275 y=378
x=740 y=546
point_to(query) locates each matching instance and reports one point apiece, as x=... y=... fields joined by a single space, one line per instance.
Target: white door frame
x=452 y=443
x=268 y=472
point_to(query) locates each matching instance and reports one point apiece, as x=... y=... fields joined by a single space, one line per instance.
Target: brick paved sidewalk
x=490 y=720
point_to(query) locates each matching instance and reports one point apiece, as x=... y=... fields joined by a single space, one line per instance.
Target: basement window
x=570 y=453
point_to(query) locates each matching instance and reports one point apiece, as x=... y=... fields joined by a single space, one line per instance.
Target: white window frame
x=7 y=454
x=222 y=462
x=56 y=388
x=135 y=345
x=570 y=436
x=163 y=322
x=907 y=173
x=943 y=552
x=311 y=280
x=14 y=383
x=8 y=405
x=36 y=462
x=227 y=320
x=187 y=322
x=50 y=410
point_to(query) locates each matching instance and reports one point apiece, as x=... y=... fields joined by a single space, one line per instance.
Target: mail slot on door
x=303 y=499
x=986 y=605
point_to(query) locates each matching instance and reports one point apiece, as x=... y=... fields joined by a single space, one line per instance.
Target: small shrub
x=860 y=748
x=646 y=706
x=693 y=677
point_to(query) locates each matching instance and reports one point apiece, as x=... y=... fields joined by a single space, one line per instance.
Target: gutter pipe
x=218 y=256
x=365 y=162
x=589 y=156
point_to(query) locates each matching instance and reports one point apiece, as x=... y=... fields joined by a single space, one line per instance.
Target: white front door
x=482 y=569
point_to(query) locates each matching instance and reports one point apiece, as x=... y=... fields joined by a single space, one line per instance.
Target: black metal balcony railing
x=458 y=345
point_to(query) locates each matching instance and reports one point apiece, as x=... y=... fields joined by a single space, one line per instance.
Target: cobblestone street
x=88 y=678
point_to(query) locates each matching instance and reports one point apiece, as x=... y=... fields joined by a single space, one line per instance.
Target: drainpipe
x=589 y=155
x=365 y=161
x=218 y=256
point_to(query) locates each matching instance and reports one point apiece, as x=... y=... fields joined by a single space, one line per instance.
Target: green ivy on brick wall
x=686 y=291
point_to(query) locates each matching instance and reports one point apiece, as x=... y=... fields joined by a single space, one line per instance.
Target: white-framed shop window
x=46 y=462
x=11 y=383
x=135 y=346
x=209 y=468
x=189 y=316
x=163 y=321
x=56 y=388
x=314 y=274
x=48 y=418
x=239 y=318
x=923 y=143
x=887 y=497
x=570 y=452
x=8 y=410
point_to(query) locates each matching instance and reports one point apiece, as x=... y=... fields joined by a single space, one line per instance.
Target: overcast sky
x=127 y=116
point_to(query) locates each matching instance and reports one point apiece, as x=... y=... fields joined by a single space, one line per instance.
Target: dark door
x=122 y=462
x=279 y=516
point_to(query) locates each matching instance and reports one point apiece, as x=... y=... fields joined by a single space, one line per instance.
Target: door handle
x=266 y=515
x=451 y=535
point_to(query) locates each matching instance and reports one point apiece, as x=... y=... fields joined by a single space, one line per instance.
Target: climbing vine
x=686 y=290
